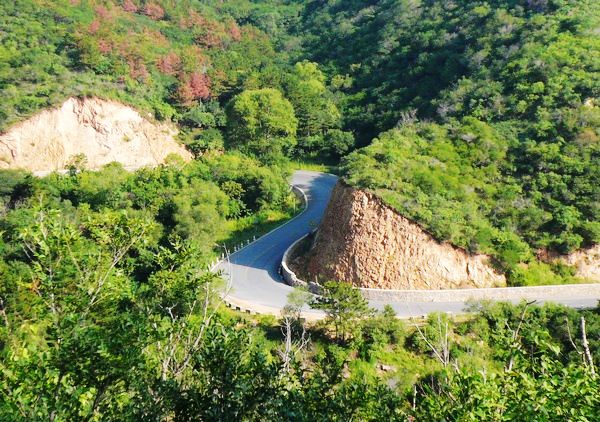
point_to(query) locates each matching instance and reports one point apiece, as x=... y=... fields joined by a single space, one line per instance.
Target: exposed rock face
x=586 y=261
x=365 y=242
x=104 y=131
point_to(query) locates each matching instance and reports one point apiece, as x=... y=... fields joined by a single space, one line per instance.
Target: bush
x=205 y=141
x=338 y=143
x=537 y=274
x=198 y=117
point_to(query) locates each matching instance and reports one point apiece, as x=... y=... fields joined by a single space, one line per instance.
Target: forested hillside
x=179 y=60
x=532 y=63
x=494 y=105
x=479 y=120
x=163 y=56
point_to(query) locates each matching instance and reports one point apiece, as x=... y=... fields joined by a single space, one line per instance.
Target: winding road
x=255 y=284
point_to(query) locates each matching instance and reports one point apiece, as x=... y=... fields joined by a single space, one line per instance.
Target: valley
x=436 y=259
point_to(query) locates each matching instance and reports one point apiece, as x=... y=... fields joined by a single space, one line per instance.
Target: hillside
x=364 y=242
x=532 y=64
x=160 y=56
x=481 y=120
x=93 y=131
x=463 y=185
x=467 y=134
x=180 y=61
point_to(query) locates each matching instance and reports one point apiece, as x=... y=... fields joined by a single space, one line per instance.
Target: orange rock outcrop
x=363 y=241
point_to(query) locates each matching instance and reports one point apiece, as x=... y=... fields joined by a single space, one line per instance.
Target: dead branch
x=291 y=348
x=515 y=334
x=586 y=348
x=444 y=355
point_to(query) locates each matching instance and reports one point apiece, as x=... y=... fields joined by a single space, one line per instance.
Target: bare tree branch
x=586 y=347
x=442 y=355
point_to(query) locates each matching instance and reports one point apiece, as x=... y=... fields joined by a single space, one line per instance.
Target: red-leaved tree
x=192 y=19
x=154 y=11
x=193 y=87
x=137 y=69
x=235 y=32
x=130 y=6
x=169 y=64
x=200 y=84
x=209 y=40
x=104 y=46
x=102 y=12
x=94 y=26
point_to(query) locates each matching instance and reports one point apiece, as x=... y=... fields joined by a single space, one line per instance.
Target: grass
x=315 y=164
x=251 y=227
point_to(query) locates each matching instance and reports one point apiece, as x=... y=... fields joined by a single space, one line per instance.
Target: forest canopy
x=479 y=120
x=486 y=116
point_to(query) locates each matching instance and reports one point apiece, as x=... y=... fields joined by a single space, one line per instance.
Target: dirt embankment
x=585 y=261
x=365 y=242
x=103 y=131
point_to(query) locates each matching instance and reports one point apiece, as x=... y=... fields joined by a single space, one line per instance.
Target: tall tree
x=312 y=100
x=261 y=122
x=344 y=306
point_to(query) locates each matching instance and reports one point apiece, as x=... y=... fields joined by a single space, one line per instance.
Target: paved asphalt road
x=253 y=272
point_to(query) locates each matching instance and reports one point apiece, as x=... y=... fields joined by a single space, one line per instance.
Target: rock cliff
x=365 y=242
x=585 y=261
x=104 y=131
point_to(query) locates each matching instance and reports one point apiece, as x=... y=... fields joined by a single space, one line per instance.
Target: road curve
x=253 y=272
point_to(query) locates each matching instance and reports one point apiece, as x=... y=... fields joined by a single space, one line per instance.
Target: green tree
x=236 y=381
x=261 y=122
x=337 y=142
x=344 y=306
x=312 y=100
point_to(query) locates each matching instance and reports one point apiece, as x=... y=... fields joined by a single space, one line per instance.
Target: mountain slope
x=535 y=62
x=97 y=131
x=161 y=56
x=481 y=121
x=366 y=243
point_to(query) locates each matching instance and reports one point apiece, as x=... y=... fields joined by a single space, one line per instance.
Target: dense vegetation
x=462 y=184
x=102 y=322
x=532 y=63
x=182 y=61
x=496 y=116
x=161 y=56
x=91 y=260
x=480 y=121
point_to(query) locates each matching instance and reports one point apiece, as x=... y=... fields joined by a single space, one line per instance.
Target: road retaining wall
x=289 y=276
x=512 y=294
x=544 y=293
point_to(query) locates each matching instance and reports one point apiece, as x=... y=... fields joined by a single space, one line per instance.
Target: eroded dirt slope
x=365 y=242
x=104 y=131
